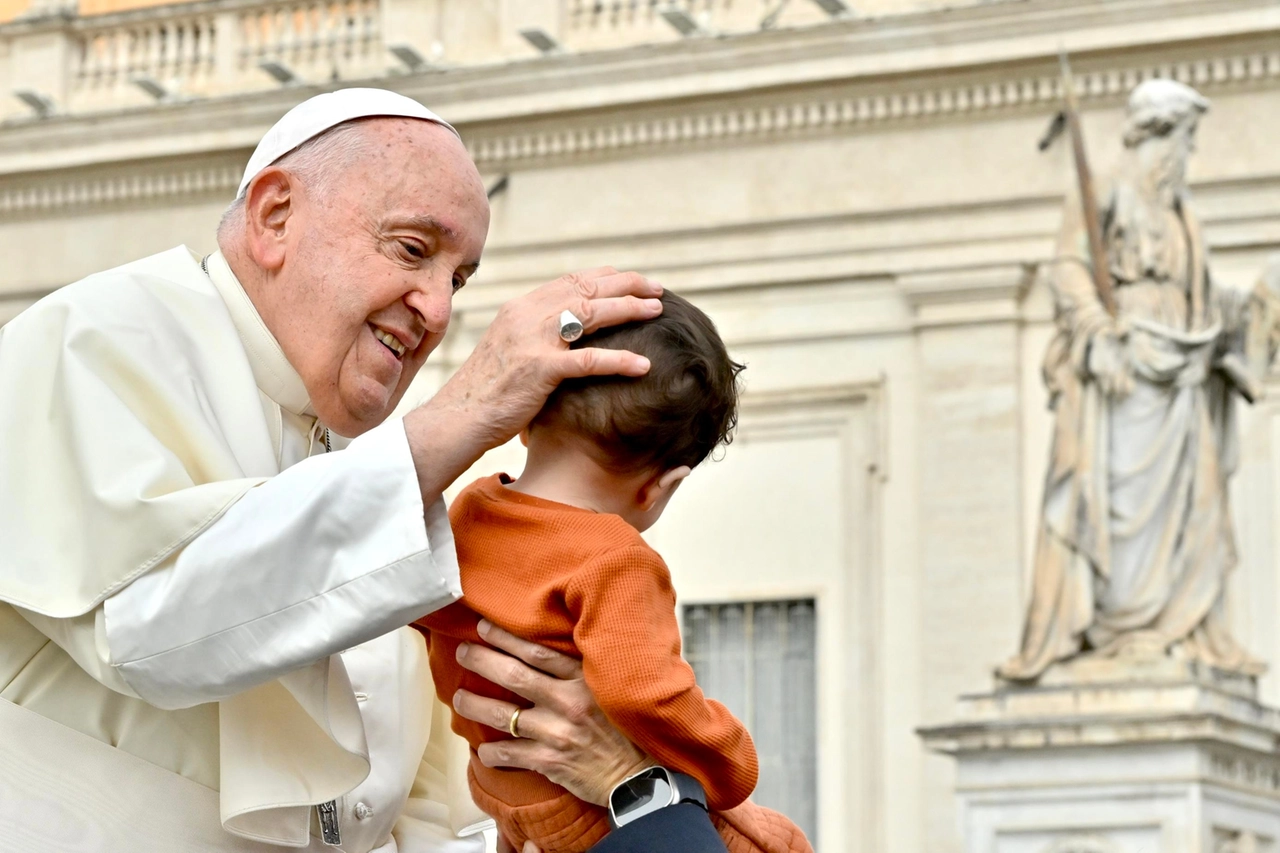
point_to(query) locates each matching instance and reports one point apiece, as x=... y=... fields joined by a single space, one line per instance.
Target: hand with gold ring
x=564 y=736
x=514 y=722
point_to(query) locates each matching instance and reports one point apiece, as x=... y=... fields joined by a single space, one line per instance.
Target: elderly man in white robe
x=201 y=607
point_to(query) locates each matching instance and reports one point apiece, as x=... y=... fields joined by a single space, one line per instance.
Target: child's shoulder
x=629 y=551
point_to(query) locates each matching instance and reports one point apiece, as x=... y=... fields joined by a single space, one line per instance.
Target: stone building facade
x=856 y=199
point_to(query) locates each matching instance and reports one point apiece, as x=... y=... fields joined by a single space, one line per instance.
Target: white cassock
x=198 y=604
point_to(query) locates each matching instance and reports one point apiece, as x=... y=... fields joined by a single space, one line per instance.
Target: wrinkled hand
x=504 y=846
x=564 y=736
x=518 y=363
x=521 y=358
x=1108 y=363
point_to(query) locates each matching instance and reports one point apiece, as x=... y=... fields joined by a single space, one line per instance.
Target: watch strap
x=688 y=789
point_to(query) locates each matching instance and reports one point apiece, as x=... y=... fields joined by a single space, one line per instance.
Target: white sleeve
x=326 y=555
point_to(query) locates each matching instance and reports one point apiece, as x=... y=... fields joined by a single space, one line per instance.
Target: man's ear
x=268 y=204
x=661 y=486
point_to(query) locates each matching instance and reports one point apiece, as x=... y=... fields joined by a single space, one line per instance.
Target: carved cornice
x=157 y=184
x=1040 y=89
x=933 y=66
x=880 y=51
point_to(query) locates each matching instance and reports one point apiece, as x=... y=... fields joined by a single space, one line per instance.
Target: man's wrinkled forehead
x=420 y=179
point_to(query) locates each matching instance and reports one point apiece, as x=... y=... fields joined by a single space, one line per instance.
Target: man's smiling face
x=372 y=262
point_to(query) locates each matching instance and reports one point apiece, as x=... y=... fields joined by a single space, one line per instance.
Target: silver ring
x=570 y=327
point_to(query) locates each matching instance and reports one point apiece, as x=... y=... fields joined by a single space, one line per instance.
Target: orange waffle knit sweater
x=586 y=584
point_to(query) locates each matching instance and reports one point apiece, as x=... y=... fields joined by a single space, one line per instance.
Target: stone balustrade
x=107 y=55
x=85 y=64
x=206 y=49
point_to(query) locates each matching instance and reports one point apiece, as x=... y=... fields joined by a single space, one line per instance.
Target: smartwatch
x=651 y=790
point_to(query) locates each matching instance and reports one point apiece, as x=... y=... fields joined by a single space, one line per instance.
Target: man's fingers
x=525 y=754
x=539 y=657
x=615 y=310
x=494 y=713
x=595 y=361
x=623 y=284
x=600 y=283
x=508 y=672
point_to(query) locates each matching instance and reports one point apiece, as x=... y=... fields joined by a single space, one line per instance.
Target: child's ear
x=524 y=436
x=661 y=486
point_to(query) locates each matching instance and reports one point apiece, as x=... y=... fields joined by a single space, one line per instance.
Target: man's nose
x=432 y=300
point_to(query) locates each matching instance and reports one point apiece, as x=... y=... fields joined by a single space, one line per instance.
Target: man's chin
x=356 y=417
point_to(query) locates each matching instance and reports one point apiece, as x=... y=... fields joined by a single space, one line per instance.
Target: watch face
x=645 y=793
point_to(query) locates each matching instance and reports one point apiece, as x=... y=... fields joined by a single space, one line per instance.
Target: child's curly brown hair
x=677 y=414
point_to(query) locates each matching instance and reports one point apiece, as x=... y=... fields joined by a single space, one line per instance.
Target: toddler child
x=556 y=557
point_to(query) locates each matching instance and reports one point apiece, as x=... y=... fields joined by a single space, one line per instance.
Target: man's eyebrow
x=430 y=225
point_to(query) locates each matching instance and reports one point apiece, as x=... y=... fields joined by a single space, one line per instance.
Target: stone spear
x=1088 y=200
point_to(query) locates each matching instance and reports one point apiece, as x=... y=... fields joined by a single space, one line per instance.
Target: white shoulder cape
x=129 y=422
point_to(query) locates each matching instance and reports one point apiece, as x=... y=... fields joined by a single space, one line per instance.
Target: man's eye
x=413 y=249
x=458 y=282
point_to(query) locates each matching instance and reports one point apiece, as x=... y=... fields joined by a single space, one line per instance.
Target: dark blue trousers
x=676 y=829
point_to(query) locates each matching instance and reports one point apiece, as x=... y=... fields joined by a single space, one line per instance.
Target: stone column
x=968 y=357
x=40 y=52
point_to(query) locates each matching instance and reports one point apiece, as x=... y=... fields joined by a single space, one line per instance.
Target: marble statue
x=1136 y=541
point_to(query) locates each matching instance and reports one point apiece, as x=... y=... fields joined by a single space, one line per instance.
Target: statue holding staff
x=1136 y=539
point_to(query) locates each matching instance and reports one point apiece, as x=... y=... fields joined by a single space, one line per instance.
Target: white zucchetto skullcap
x=315 y=115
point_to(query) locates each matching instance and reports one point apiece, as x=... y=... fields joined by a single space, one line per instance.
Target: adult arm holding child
x=567 y=738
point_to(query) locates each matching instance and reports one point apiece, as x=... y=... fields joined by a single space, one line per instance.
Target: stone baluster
x=336 y=33
x=226 y=42
x=183 y=64
x=315 y=20
x=83 y=62
x=155 y=56
x=369 y=41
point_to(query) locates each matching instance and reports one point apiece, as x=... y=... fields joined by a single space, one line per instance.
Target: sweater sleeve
x=626 y=630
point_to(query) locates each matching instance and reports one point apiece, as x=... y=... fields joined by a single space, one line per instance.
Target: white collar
x=272 y=371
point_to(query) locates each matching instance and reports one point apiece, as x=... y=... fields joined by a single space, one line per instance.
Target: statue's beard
x=1166 y=174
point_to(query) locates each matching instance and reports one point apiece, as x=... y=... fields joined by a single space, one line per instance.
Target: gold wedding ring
x=515 y=721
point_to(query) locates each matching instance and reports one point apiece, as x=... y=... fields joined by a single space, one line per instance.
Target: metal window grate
x=759 y=660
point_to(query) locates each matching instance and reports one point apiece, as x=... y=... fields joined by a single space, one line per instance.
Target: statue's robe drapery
x=186 y=577
x=1136 y=532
